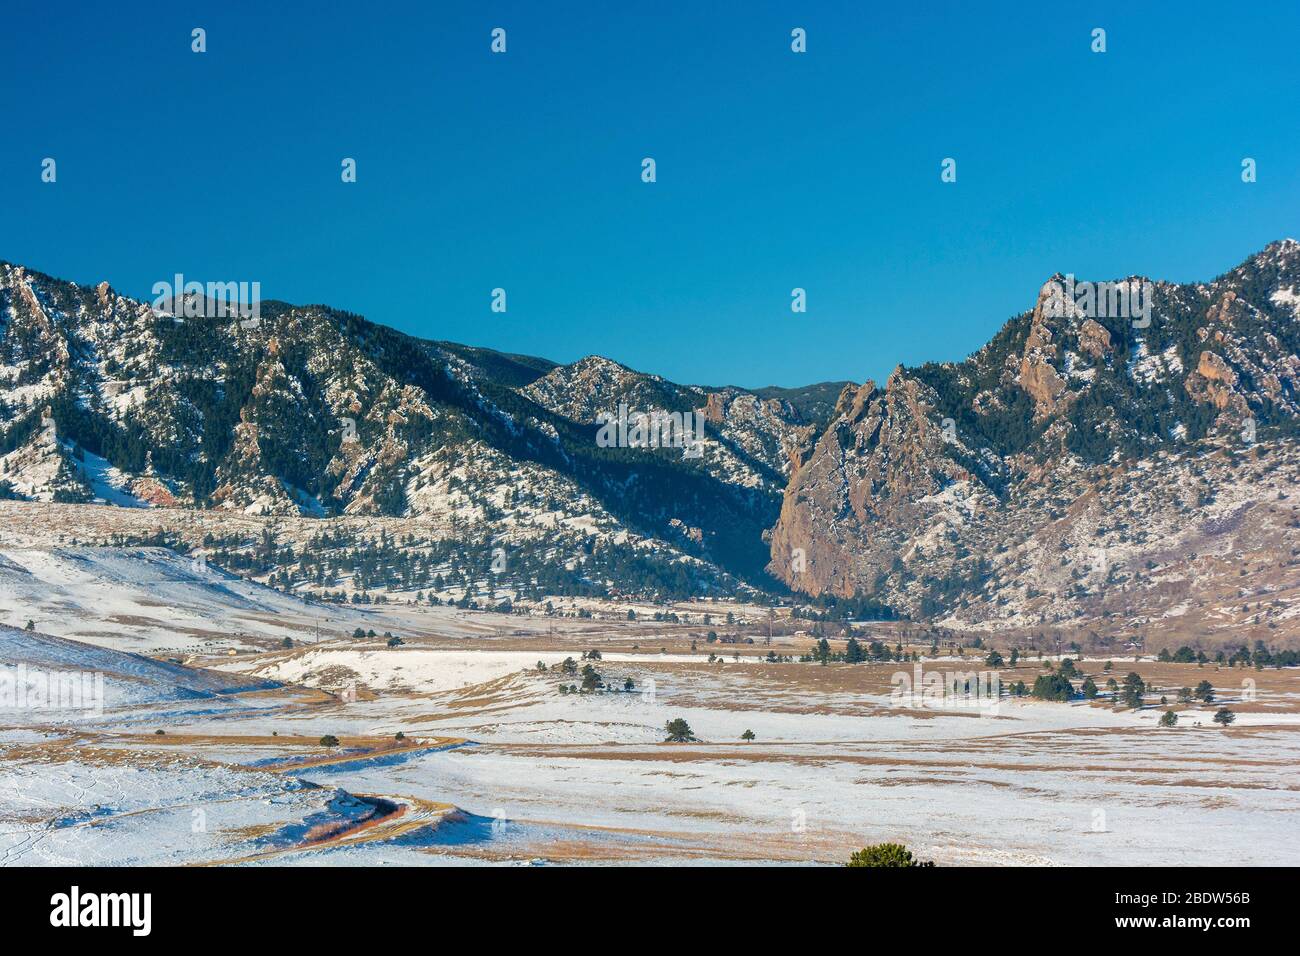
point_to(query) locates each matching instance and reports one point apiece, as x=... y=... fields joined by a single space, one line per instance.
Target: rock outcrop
x=1016 y=485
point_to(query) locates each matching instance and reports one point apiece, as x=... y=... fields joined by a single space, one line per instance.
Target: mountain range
x=1083 y=469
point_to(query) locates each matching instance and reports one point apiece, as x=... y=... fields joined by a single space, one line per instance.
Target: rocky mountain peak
x=944 y=494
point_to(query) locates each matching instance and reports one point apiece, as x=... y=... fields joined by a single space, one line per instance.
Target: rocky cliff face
x=1068 y=469
x=884 y=468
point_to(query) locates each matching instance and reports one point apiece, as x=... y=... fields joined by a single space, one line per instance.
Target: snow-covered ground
x=153 y=601
x=496 y=764
x=426 y=671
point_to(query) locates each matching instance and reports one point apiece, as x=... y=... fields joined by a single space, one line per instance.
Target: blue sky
x=775 y=170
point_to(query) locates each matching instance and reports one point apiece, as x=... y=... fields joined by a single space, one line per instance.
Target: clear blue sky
x=775 y=170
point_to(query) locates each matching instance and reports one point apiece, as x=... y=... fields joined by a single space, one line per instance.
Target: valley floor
x=218 y=760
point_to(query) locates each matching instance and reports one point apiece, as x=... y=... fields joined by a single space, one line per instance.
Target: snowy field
x=210 y=757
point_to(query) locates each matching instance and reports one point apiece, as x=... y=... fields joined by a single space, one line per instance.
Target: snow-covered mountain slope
x=314 y=412
x=751 y=440
x=101 y=678
x=150 y=600
x=1075 y=472
x=1105 y=472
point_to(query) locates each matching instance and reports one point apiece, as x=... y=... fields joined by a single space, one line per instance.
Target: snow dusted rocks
x=316 y=413
x=1036 y=482
x=1044 y=481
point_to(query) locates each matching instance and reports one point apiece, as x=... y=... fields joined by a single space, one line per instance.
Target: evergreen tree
x=1134 y=687
x=1053 y=687
x=885 y=854
x=679 y=731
